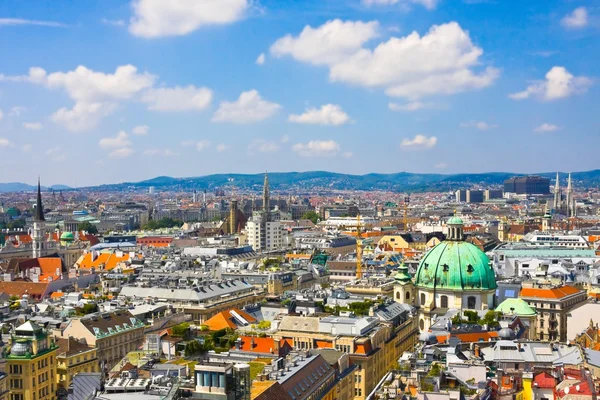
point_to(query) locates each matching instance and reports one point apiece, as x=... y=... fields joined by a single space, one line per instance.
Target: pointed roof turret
x=39 y=208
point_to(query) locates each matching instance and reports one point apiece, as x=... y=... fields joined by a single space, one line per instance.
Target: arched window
x=422 y=299
x=407 y=296
x=444 y=302
x=471 y=302
x=422 y=324
x=398 y=295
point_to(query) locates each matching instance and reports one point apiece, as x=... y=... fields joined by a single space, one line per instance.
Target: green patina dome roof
x=67 y=236
x=402 y=275
x=515 y=306
x=455 y=221
x=455 y=265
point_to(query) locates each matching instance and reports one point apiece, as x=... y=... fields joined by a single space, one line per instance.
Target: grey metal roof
x=200 y=294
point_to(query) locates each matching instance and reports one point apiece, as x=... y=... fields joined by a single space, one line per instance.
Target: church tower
x=557 y=195
x=39 y=226
x=266 y=198
x=570 y=206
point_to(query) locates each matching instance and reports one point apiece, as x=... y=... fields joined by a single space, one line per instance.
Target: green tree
x=181 y=330
x=313 y=216
x=264 y=325
x=87 y=308
x=192 y=348
x=166 y=222
x=491 y=319
x=86 y=226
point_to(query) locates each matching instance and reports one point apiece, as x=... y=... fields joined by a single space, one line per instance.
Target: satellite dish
x=566 y=390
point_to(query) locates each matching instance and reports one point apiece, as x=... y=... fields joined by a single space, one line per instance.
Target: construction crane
x=358 y=249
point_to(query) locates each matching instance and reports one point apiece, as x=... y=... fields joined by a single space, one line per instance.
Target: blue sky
x=103 y=91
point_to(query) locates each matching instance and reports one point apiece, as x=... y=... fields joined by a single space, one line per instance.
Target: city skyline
x=425 y=86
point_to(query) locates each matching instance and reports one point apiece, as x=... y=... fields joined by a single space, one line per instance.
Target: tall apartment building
x=31 y=364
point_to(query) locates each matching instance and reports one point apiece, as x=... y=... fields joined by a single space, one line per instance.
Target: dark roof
x=107 y=320
x=70 y=346
x=39 y=208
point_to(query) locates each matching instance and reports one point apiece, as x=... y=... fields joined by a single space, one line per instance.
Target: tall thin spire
x=266 y=197
x=557 y=196
x=39 y=208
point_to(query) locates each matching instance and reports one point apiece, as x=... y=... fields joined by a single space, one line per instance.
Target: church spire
x=557 y=196
x=266 y=198
x=39 y=208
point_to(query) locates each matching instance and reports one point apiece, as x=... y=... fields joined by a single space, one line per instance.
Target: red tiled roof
x=224 y=320
x=544 y=381
x=19 y=288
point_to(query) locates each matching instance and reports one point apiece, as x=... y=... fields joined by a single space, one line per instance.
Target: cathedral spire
x=557 y=194
x=39 y=208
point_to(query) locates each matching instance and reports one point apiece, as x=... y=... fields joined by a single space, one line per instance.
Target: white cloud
x=441 y=165
x=141 y=130
x=262 y=146
x=480 y=125
x=178 y=98
x=419 y=142
x=328 y=44
x=328 y=114
x=559 y=83
x=4 y=142
x=285 y=138
x=113 y=22
x=221 y=147
x=577 y=19
x=443 y=61
x=248 y=108
x=121 y=153
x=1 y=114
x=260 y=60
x=429 y=4
x=317 y=148
x=158 y=18
x=21 y=21
x=410 y=106
x=546 y=127
x=119 y=141
x=33 y=126
x=83 y=116
x=159 y=152
x=202 y=145
x=26 y=148
x=56 y=154
x=16 y=111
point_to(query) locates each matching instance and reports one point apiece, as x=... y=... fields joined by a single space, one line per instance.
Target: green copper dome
x=455 y=221
x=402 y=275
x=67 y=236
x=455 y=265
x=515 y=306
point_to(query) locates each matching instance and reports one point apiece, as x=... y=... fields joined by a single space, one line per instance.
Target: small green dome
x=455 y=265
x=402 y=275
x=67 y=236
x=516 y=307
x=455 y=221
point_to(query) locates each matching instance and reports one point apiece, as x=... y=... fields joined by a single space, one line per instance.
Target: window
x=407 y=296
x=423 y=299
x=444 y=302
x=471 y=302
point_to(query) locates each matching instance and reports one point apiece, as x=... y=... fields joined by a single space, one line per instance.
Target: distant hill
x=312 y=180
x=23 y=187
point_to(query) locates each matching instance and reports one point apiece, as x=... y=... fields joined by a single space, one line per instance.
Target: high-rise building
x=31 y=364
x=527 y=185
x=461 y=195
x=263 y=230
x=474 y=196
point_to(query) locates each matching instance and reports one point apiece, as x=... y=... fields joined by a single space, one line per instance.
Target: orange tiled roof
x=257 y=344
x=19 y=288
x=224 y=320
x=469 y=337
x=57 y=295
x=549 y=293
x=109 y=260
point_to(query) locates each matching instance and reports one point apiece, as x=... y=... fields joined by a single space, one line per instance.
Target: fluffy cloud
x=121 y=153
x=21 y=21
x=16 y=111
x=559 y=84
x=545 y=128
x=419 y=142
x=221 y=147
x=577 y=19
x=202 y=145
x=83 y=116
x=4 y=142
x=119 y=141
x=328 y=44
x=409 y=107
x=158 y=18
x=429 y=4
x=178 y=98
x=480 y=125
x=32 y=126
x=141 y=130
x=317 y=148
x=328 y=114
x=262 y=146
x=442 y=61
x=248 y=108
x=260 y=60
x=56 y=154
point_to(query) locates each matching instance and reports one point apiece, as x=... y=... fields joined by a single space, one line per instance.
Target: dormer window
x=446 y=268
x=470 y=268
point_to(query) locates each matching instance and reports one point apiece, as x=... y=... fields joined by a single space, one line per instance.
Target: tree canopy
x=313 y=216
